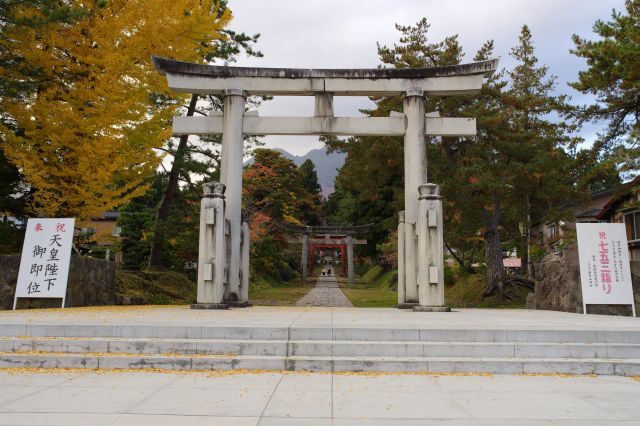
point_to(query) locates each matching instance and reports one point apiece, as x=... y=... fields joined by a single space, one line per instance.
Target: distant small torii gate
x=223 y=266
x=316 y=237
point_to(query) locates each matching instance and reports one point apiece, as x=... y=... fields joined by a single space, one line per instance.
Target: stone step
x=322 y=348
x=465 y=349
x=152 y=346
x=629 y=367
x=322 y=333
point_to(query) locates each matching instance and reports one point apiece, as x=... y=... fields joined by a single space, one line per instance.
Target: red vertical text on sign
x=605 y=272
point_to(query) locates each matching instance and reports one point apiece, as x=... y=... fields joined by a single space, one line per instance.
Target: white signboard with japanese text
x=46 y=254
x=605 y=274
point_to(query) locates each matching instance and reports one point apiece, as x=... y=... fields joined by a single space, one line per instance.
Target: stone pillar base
x=210 y=306
x=238 y=304
x=419 y=308
x=406 y=305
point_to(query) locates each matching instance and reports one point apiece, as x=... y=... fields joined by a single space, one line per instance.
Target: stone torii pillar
x=350 y=260
x=401 y=267
x=415 y=174
x=430 y=250
x=244 y=263
x=211 y=251
x=231 y=176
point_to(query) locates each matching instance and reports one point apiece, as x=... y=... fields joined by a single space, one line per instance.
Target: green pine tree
x=613 y=78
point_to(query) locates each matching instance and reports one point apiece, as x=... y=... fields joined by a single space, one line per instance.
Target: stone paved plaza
x=269 y=396
x=325 y=293
x=135 y=398
x=294 y=317
x=321 y=340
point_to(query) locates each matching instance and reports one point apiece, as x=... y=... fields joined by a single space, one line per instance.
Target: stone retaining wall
x=557 y=288
x=558 y=282
x=92 y=282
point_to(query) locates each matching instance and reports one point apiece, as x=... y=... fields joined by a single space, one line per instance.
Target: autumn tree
x=197 y=158
x=273 y=192
x=84 y=139
x=274 y=185
x=20 y=78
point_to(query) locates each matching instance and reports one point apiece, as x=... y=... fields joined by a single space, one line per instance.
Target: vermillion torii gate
x=318 y=237
x=421 y=254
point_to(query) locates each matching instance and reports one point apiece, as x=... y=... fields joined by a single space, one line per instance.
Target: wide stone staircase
x=329 y=349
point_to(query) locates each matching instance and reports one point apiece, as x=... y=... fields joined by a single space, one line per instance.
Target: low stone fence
x=92 y=282
x=557 y=279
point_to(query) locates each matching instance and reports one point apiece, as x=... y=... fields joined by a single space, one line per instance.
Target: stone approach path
x=325 y=293
x=276 y=399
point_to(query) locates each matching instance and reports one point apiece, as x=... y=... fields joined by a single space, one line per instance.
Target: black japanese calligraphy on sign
x=52 y=269
x=46 y=255
x=35 y=269
x=49 y=282
x=33 y=288
x=56 y=240
x=39 y=251
x=53 y=255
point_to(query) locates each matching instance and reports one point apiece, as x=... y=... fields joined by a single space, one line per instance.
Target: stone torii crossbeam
x=421 y=260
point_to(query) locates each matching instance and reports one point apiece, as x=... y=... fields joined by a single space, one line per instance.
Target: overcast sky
x=344 y=33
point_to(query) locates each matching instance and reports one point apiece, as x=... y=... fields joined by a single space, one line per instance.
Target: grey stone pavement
x=291 y=316
x=272 y=398
x=325 y=293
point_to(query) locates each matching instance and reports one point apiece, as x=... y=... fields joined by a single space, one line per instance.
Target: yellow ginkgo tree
x=84 y=139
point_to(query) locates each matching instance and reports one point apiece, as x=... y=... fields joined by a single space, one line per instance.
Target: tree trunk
x=524 y=264
x=157 y=241
x=493 y=251
x=464 y=265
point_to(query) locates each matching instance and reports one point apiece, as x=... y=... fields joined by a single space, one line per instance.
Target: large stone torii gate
x=223 y=258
